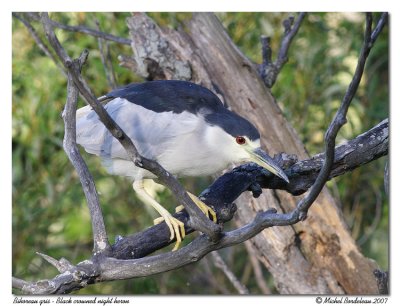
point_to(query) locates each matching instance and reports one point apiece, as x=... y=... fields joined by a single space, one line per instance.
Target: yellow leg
x=176 y=227
x=207 y=210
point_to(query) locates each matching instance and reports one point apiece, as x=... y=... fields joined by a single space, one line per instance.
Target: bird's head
x=250 y=151
x=240 y=141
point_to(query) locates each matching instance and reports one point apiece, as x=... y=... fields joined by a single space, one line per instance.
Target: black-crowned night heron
x=182 y=126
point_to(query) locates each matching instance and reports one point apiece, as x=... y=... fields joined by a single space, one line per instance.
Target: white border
x=204 y=5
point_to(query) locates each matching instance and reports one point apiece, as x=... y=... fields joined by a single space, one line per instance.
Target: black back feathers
x=179 y=96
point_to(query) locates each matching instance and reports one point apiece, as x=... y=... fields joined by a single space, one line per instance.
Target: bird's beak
x=262 y=159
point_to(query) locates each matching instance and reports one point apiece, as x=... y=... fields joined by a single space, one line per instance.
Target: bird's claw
x=176 y=227
x=207 y=210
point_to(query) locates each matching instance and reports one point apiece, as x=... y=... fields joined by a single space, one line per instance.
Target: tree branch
x=197 y=219
x=39 y=42
x=261 y=283
x=269 y=70
x=106 y=60
x=290 y=32
x=100 y=239
x=338 y=121
x=83 y=29
x=19 y=283
x=220 y=264
x=377 y=218
x=61 y=265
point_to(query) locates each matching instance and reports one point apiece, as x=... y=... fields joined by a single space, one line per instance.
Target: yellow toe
x=207 y=210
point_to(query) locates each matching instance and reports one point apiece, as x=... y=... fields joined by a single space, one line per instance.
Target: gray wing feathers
x=151 y=132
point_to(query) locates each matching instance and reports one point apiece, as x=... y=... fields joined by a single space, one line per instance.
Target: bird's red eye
x=240 y=140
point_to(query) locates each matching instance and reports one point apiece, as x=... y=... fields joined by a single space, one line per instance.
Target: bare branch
x=269 y=70
x=39 y=42
x=19 y=283
x=100 y=239
x=197 y=219
x=266 y=50
x=209 y=277
x=379 y=26
x=261 y=283
x=220 y=264
x=75 y=278
x=290 y=32
x=127 y=62
x=83 y=29
x=386 y=181
x=338 y=121
x=106 y=60
x=377 y=218
x=61 y=265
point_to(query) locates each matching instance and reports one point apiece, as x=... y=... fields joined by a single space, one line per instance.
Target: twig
x=340 y=119
x=266 y=50
x=290 y=32
x=379 y=27
x=208 y=276
x=127 y=62
x=100 y=239
x=19 y=283
x=220 y=264
x=105 y=59
x=61 y=265
x=197 y=219
x=386 y=180
x=39 y=42
x=83 y=29
x=42 y=45
x=377 y=218
x=269 y=70
x=108 y=57
x=261 y=283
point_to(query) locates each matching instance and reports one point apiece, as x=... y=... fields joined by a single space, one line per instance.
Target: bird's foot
x=176 y=227
x=207 y=210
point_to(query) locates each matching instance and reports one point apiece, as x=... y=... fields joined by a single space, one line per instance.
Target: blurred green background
x=49 y=213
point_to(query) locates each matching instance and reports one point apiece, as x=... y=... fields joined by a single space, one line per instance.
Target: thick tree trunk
x=315 y=256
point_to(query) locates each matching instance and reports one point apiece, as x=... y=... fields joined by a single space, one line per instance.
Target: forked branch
x=269 y=70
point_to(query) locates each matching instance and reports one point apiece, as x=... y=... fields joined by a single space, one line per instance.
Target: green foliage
x=49 y=209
